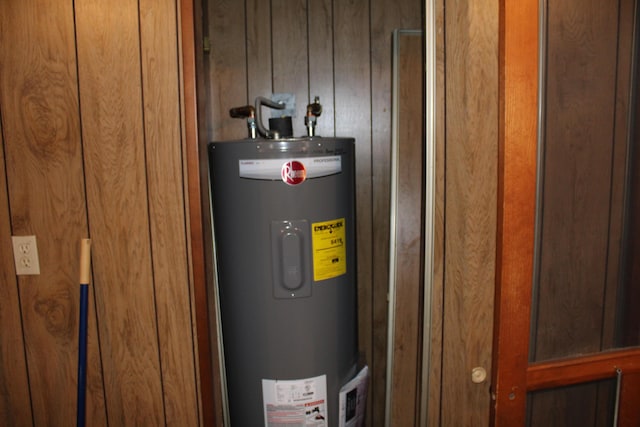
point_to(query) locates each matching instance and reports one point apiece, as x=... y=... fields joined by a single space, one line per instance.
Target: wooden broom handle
x=85 y=261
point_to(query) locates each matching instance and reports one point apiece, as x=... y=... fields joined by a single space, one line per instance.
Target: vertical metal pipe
x=430 y=106
x=616 y=407
x=391 y=295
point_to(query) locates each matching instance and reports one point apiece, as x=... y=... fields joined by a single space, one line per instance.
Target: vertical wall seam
x=92 y=289
x=308 y=54
x=333 y=62
x=443 y=245
x=149 y=213
x=185 y=197
x=272 y=48
x=246 y=52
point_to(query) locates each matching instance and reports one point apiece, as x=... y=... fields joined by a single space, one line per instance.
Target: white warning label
x=295 y=403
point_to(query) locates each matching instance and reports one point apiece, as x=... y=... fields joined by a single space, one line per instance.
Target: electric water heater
x=284 y=228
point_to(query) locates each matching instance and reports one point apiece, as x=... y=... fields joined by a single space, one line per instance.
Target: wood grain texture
x=196 y=109
x=409 y=232
x=629 y=415
x=45 y=183
x=160 y=91
x=630 y=333
x=289 y=41
x=227 y=63
x=259 y=51
x=352 y=118
x=470 y=228
x=320 y=18
x=386 y=16
x=582 y=369
x=15 y=405
x=116 y=182
x=518 y=87
x=567 y=389
x=228 y=83
x=618 y=171
x=579 y=125
x=572 y=134
x=585 y=142
x=49 y=185
x=432 y=391
x=569 y=406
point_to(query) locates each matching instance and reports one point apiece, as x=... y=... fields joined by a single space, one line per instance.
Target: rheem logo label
x=293 y=172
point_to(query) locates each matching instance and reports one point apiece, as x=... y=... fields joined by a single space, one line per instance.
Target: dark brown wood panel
x=409 y=233
x=160 y=91
x=630 y=316
x=630 y=334
x=291 y=56
x=113 y=145
x=386 y=16
x=579 y=126
x=227 y=63
x=320 y=18
x=352 y=118
x=259 y=50
x=629 y=409
x=618 y=171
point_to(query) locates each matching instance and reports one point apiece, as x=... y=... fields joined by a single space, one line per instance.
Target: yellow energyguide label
x=329 y=249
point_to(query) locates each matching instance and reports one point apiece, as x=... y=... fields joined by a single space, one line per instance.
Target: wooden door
x=566 y=331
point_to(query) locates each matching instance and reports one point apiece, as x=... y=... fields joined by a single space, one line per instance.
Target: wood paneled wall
x=92 y=147
x=407 y=249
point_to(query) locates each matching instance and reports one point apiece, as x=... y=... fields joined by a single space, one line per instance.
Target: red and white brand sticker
x=293 y=172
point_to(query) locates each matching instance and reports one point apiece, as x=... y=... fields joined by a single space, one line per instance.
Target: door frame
x=191 y=38
x=512 y=374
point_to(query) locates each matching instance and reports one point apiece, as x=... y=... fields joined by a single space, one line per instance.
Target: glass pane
x=587 y=266
x=583 y=405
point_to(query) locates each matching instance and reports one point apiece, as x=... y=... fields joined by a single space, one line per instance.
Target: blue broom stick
x=85 y=276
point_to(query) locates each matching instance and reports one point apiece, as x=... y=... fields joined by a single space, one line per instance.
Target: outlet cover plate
x=25 y=254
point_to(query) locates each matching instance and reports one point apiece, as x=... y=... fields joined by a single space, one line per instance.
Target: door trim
x=209 y=401
x=517 y=153
x=582 y=369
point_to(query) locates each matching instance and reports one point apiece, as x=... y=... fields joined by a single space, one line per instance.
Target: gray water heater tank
x=284 y=228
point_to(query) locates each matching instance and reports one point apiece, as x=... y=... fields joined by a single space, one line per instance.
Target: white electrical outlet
x=25 y=254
